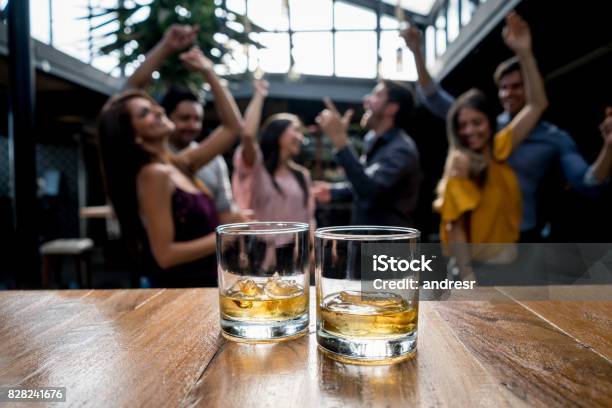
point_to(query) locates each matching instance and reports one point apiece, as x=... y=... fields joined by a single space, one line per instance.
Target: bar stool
x=54 y=251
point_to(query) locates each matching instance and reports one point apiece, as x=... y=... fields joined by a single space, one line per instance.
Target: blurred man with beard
x=187 y=113
x=384 y=182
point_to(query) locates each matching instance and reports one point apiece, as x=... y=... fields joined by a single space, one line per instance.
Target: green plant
x=134 y=37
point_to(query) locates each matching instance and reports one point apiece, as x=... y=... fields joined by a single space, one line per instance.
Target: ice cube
x=366 y=302
x=276 y=287
x=245 y=288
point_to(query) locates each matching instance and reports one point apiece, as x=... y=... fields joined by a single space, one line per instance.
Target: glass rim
x=344 y=233
x=273 y=227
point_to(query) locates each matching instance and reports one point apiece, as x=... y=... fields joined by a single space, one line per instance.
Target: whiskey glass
x=263 y=280
x=358 y=320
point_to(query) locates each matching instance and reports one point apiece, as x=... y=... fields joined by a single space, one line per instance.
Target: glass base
x=264 y=332
x=356 y=350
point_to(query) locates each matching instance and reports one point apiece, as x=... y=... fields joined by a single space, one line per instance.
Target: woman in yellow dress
x=478 y=197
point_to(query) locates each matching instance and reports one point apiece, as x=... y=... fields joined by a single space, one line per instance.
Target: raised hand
x=516 y=34
x=195 y=60
x=334 y=125
x=412 y=37
x=606 y=128
x=260 y=87
x=180 y=36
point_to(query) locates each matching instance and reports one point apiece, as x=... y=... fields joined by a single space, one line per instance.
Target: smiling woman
x=267 y=180
x=167 y=216
x=479 y=198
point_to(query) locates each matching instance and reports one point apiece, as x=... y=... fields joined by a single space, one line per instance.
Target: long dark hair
x=121 y=159
x=476 y=100
x=272 y=129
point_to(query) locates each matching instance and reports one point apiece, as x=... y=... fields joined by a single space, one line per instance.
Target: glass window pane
x=430 y=51
x=453 y=20
x=389 y=23
x=275 y=57
x=311 y=14
x=236 y=62
x=467 y=10
x=313 y=53
x=440 y=34
x=417 y=6
x=360 y=64
x=69 y=32
x=397 y=62
x=269 y=14
x=39 y=20
x=237 y=6
x=352 y=17
x=106 y=63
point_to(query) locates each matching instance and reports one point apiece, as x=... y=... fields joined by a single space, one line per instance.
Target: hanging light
x=399 y=59
x=401 y=21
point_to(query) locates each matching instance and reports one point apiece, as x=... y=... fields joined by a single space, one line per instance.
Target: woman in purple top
x=266 y=180
x=164 y=212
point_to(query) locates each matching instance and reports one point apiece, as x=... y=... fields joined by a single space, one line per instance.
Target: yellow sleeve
x=502 y=144
x=460 y=196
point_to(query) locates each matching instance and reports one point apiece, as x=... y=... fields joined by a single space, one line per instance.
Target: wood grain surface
x=149 y=348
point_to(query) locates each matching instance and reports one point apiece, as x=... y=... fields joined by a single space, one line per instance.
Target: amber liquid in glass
x=367 y=315
x=274 y=299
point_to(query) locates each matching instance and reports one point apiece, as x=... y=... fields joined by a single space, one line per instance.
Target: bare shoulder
x=154 y=176
x=459 y=164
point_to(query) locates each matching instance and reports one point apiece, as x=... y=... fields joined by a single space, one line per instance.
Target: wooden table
x=149 y=348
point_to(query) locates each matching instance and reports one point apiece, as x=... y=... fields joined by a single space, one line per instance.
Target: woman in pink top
x=266 y=180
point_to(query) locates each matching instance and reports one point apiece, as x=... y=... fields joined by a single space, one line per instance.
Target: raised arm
x=517 y=36
x=225 y=135
x=176 y=38
x=252 y=120
x=412 y=37
x=435 y=99
x=154 y=197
